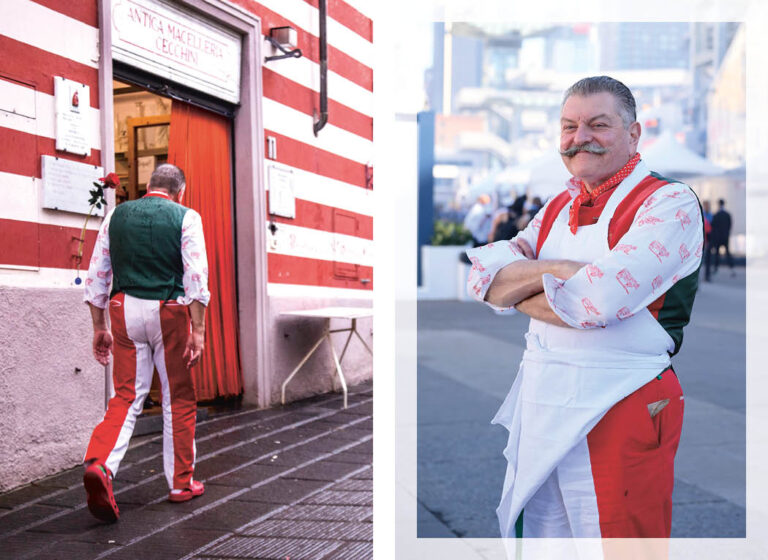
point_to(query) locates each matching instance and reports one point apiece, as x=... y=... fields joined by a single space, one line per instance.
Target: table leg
x=338 y=370
x=344 y=351
x=301 y=363
x=363 y=341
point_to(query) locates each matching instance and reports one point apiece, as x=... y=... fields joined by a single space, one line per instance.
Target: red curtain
x=199 y=144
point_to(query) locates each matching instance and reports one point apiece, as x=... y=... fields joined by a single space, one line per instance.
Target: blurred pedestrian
x=478 y=220
x=505 y=223
x=719 y=237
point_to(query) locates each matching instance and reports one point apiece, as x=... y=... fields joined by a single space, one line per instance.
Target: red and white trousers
x=149 y=335
x=617 y=482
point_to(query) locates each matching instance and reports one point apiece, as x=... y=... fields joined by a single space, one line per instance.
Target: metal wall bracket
x=295 y=53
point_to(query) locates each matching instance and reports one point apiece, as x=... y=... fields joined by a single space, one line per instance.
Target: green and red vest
x=145 y=248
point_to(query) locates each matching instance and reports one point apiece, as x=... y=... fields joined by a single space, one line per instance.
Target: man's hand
x=566 y=269
x=102 y=346
x=196 y=338
x=194 y=349
x=524 y=248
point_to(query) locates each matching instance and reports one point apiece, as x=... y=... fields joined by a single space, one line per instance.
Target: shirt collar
x=160 y=194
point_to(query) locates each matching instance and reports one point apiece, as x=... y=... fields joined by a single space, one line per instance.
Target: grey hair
x=167 y=177
x=598 y=84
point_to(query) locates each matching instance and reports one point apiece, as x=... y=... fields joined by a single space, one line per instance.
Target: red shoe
x=194 y=490
x=98 y=484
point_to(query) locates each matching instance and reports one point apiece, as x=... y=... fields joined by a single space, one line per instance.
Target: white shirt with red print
x=193 y=257
x=663 y=244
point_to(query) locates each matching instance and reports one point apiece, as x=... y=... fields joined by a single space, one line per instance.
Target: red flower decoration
x=111 y=181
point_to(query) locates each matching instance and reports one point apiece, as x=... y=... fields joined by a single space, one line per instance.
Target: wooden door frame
x=133 y=124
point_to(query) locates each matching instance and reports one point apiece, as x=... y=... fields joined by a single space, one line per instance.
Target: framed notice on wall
x=67 y=184
x=73 y=116
x=282 y=201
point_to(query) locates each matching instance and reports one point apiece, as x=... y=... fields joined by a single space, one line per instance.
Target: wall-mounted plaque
x=66 y=184
x=282 y=201
x=73 y=116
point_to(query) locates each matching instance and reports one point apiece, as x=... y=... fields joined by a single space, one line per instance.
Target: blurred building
x=643 y=45
x=708 y=44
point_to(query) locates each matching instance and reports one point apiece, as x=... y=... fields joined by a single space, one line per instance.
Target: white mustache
x=590 y=147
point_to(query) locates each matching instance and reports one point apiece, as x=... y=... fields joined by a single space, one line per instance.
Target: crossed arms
x=519 y=284
x=663 y=245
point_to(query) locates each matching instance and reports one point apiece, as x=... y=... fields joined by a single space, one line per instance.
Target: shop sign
x=182 y=46
x=66 y=184
x=73 y=112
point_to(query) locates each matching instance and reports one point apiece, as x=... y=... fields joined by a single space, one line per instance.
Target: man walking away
x=153 y=251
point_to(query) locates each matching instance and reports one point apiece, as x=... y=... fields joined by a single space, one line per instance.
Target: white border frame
x=399 y=255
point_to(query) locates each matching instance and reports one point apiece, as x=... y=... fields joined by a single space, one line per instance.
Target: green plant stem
x=82 y=236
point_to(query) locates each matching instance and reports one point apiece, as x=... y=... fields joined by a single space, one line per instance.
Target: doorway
x=151 y=129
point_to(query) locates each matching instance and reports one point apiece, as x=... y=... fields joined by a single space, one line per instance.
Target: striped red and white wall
x=327 y=249
x=324 y=252
x=40 y=40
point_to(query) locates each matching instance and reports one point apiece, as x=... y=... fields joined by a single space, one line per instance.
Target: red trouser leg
x=131 y=375
x=632 y=456
x=179 y=401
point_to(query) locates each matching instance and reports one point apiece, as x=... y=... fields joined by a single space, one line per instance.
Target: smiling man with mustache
x=607 y=271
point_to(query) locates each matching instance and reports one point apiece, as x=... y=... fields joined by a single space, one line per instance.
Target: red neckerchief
x=585 y=196
x=161 y=194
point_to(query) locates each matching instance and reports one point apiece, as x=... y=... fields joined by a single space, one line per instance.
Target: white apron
x=569 y=378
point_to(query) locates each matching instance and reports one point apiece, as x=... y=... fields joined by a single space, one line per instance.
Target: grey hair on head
x=167 y=177
x=599 y=84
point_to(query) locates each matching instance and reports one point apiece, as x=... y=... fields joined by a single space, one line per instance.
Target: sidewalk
x=288 y=482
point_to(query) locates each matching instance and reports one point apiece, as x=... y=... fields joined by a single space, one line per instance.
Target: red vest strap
x=550 y=214
x=627 y=208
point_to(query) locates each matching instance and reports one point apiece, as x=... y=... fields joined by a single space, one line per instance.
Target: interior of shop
x=142 y=129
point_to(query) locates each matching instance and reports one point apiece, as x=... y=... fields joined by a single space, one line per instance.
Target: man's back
x=145 y=248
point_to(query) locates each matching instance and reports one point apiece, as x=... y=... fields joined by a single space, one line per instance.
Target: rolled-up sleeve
x=489 y=259
x=663 y=245
x=99 y=277
x=194 y=259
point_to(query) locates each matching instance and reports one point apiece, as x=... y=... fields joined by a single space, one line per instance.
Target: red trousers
x=149 y=335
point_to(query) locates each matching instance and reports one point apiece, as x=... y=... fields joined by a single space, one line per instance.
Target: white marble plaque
x=282 y=201
x=67 y=185
x=73 y=112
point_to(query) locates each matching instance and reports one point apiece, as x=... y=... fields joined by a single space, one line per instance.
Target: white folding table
x=328 y=313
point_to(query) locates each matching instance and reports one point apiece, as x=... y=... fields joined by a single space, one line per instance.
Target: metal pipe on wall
x=322 y=118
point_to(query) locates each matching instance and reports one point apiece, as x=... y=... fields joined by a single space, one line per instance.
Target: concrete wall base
x=51 y=387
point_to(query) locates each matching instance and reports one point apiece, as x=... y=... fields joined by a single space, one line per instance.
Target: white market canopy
x=669 y=157
x=544 y=176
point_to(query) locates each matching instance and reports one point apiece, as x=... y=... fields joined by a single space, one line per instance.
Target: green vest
x=145 y=248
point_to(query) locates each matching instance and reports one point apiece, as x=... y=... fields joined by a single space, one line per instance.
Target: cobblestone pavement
x=288 y=482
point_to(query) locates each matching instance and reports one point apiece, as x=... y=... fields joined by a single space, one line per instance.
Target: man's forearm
x=197 y=316
x=522 y=279
x=99 y=318
x=537 y=307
